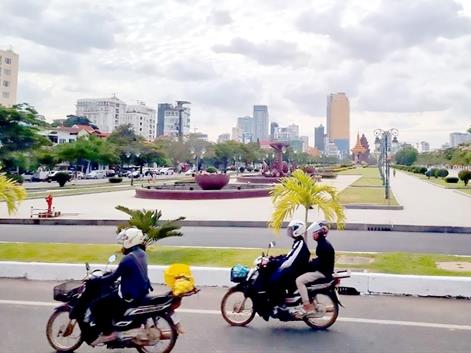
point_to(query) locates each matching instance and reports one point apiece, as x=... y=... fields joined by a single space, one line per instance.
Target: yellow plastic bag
x=179 y=278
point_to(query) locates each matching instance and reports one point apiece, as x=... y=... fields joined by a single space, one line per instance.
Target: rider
x=134 y=286
x=292 y=264
x=320 y=267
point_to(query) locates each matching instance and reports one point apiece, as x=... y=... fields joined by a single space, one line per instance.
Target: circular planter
x=212 y=181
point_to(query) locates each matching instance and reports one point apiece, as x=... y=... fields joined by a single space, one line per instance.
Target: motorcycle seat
x=157 y=299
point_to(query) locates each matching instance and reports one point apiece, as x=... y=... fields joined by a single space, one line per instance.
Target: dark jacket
x=325 y=260
x=132 y=269
x=296 y=260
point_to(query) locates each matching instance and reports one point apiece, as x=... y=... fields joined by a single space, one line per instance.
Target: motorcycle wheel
x=168 y=336
x=56 y=327
x=326 y=305
x=237 y=309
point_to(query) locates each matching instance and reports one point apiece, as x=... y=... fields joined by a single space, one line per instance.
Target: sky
x=404 y=64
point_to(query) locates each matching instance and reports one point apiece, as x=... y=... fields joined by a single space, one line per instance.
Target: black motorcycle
x=250 y=296
x=150 y=327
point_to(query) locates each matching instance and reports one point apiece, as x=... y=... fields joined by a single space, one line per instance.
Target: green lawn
x=368 y=189
x=442 y=182
x=395 y=263
x=366 y=195
x=70 y=190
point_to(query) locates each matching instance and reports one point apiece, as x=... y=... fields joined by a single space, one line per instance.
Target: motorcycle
x=149 y=327
x=250 y=296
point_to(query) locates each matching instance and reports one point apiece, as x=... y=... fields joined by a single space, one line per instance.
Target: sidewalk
x=424 y=204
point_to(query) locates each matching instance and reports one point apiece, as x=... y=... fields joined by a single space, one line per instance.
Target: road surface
x=368 y=324
x=457 y=244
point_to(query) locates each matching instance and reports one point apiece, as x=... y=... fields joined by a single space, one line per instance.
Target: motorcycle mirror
x=87 y=266
x=112 y=259
x=271 y=245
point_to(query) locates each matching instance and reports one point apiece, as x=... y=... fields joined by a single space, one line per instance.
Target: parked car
x=190 y=172
x=96 y=174
x=27 y=176
x=134 y=174
x=166 y=171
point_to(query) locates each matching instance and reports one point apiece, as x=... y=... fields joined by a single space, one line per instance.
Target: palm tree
x=11 y=193
x=301 y=190
x=148 y=222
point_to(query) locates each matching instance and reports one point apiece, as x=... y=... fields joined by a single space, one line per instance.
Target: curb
x=240 y=224
x=360 y=206
x=365 y=283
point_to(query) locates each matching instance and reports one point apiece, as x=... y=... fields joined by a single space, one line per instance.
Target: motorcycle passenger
x=320 y=267
x=292 y=264
x=134 y=286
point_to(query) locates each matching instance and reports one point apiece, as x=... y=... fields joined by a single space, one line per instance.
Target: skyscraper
x=161 y=108
x=8 y=77
x=338 y=121
x=260 y=118
x=273 y=127
x=319 y=139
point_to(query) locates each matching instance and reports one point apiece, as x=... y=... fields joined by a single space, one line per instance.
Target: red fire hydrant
x=49 y=204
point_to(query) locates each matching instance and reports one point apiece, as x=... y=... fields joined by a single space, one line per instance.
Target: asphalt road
x=458 y=244
x=366 y=324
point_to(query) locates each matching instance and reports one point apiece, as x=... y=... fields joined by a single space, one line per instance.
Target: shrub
x=442 y=173
x=434 y=172
x=451 y=180
x=211 y=170
x=61 y=178
x=429 y=173
x=115 y=180
x=422 y=170
x=16 y=178
x=465 y=176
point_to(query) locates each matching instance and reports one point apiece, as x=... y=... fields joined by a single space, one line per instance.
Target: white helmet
x=296 y=228
x=130 y=237
x=321 y=227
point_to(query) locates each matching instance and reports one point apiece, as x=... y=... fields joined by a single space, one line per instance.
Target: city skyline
x=228 y=59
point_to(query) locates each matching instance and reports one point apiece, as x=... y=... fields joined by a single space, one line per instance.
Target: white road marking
x=217 y=312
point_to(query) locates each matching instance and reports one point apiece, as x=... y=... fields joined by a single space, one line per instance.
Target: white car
x=166 y=171
x=190 y=172
x=96 y=174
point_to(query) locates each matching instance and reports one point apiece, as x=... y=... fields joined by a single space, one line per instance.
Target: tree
x=465 y=176
x=469 y=130
x=11 y=193
x=226 y=151
x=149 y=223
x=406 y=156
x=301 y=190
x=89 y=149
x=19 y=127
x=78 y=120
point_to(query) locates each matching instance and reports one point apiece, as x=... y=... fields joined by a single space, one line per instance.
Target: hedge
x=451 y=180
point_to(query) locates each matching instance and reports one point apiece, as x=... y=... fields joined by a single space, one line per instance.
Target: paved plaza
x=424 y=204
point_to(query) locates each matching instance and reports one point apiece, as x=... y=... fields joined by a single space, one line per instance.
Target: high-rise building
x=142 y=119
x=8 y=77
x=161 y=108
x=106 y=113
x=224 y=138
x=293 y=130
x=260 y=119
x=273 y=128
x=237 y=134
x=423 y=146
x=245 y=123
x=168 y=120
x=319 y=138
x=457 y=138
x=338 y=121
x=305 y=140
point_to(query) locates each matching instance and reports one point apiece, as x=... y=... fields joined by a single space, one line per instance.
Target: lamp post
x=197 y=156
x=384 y=141
x=128 y=156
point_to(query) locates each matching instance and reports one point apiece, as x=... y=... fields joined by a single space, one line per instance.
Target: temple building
x=361 y=151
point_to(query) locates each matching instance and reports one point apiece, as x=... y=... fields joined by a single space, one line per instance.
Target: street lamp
x=197 y=156
x=128 y=156
x=385 y=143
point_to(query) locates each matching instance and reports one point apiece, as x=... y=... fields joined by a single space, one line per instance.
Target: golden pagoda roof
x=358 y=149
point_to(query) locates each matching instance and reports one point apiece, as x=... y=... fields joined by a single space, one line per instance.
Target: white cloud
x=404 y=63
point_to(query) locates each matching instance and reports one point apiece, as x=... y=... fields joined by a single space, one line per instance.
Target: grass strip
x=394 y=263
x=441 y=182
x=368 y=189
